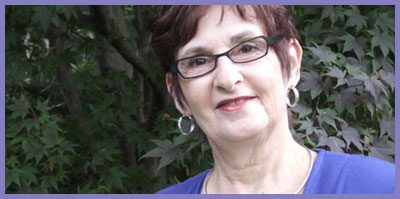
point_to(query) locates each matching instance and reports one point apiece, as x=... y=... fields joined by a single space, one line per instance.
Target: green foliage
x=76 y=125
x=49 y=148
x=347 y=89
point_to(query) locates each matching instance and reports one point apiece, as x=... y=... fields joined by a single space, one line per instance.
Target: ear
x=170 y=88
x=295 y=53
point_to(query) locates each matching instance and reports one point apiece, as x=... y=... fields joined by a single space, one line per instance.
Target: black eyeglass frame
x=270 y=40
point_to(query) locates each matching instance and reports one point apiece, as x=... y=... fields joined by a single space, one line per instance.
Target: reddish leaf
x=324 y=54
x=383 y=149
x=355 y=19
x=387 y=77
x=327 y=116
x=338 y=74
x=302 y=110
x=356 y=44
x=311 y=81
x=383 y=40
x=306 y=125
x=351 y=135
x=374 y=86
x=334 y=143
x=345 y=100
x=386 y=64
x=385 y=22
x=387 y=127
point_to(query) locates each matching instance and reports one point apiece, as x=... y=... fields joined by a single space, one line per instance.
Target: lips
x=233 y=103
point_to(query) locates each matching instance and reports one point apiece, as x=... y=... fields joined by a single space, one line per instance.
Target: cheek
x=271 y=89
x=196 y=96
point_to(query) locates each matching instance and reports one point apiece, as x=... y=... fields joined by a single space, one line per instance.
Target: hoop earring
x=183 y=125
x=296 y=97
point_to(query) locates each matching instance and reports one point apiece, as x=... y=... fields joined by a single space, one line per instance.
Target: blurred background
x=87 y=110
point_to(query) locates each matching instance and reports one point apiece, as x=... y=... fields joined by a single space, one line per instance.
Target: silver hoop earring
x=296 y=97
x=186 y=124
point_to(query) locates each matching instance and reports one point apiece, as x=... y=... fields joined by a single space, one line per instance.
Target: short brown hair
x=174 y=26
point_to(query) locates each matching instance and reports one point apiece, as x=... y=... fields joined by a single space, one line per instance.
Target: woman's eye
x=247 y=48
x=197 y=61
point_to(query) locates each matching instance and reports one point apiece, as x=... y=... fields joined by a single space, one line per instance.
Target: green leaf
x=329 y=11
x=338 y=74
x=163 y=143
x=387 y=77
x=17 y=140
x=36 y=151
x=355 y=19
x=56 y=21
x=86 y=189
x=180 y=139
x=67 y=146
x=8 y=178
x=307 y=126
x=327 y=116
x=42 y=16
x=386 y=64
x=168 y=157
x=370 y=102
x=31 y=123
x=356 y=44
x=50 y=139
x=355 y=71
x=205 y=147
x=106 y=153
x=19 y=108
x=333 y=12
x=385 y=22
x=383 y=40
x=50 y=181
x=15 y=176
x=193 y=145
x=302 y=110
x=68 y=11
x=12 y=161
x=29 y=173
x=113 y=176
x=43 y=107
x=156 y=152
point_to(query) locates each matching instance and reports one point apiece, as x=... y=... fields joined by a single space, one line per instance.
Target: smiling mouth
x=233 y=104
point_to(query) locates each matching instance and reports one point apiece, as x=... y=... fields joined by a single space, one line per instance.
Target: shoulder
x=192 y=185
x=346 y=173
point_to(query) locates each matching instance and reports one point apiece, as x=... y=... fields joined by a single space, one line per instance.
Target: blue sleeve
x=368 y=175
x=337 y=173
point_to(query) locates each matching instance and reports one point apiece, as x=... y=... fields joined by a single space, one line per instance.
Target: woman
x=230 y=69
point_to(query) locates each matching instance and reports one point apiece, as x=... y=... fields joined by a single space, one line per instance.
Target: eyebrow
x=242 y=36
x=235 y=39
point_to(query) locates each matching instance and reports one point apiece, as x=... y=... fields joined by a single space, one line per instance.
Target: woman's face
x=236 y=101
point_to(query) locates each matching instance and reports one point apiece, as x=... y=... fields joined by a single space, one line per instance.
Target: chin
x=246 y=131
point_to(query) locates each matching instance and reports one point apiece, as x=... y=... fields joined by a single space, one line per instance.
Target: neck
x=260 y=165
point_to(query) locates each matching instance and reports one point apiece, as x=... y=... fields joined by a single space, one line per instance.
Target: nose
x=227 y=75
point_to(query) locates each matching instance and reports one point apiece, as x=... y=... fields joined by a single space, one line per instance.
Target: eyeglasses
x=247 y=51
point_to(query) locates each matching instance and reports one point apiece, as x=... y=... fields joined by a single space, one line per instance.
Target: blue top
x=332 y=173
